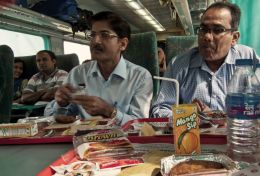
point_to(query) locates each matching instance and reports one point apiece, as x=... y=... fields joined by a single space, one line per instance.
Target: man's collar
x=232 y=54
x=198 y=61
x=42 y=75
x=120 y=69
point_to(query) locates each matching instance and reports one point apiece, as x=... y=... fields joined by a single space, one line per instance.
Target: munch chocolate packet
x=102 y=143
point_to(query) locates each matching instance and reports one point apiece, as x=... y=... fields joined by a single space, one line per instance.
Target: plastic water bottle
x=257 y=71
x=243 y=110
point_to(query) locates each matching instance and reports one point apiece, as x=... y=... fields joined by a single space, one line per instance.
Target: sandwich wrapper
x=108 y=148
x=150 y=167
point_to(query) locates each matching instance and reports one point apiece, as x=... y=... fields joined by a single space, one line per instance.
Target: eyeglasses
x=215 y=31
x=103 y=35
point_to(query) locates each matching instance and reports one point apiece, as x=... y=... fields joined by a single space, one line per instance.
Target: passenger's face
x=213 y=46
x=161 y=55
x=45 y=63
x=105 y=44
x=18 y=69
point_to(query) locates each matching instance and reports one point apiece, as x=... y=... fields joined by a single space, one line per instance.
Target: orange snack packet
x=186 y=129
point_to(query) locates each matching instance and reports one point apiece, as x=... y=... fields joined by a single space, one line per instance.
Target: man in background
x=43 y=85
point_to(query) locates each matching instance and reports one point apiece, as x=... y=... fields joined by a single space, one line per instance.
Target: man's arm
x=140 y=104
x=162 y=106
x=49 y=94
x=29 y=97
x=138 y=108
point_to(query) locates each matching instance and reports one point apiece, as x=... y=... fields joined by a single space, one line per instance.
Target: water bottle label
x=243 y=106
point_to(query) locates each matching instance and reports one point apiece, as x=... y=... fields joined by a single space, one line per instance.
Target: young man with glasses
x=205 y=71
x=114 y=87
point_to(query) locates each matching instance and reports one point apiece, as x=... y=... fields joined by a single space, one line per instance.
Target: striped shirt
x=198 y=81
x=37 y=81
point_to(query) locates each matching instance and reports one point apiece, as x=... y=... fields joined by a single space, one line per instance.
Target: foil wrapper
x=168 y=163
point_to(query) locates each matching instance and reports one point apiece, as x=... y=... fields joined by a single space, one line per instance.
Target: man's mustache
x=97 y=47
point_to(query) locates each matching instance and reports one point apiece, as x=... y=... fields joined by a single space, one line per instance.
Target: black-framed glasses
x=214 y=30
x=104 y=35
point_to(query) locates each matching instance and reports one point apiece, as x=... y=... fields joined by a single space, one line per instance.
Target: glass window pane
x=22 y=44
x=81 y=50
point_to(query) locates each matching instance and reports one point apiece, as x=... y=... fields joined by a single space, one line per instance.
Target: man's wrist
x=113 y=113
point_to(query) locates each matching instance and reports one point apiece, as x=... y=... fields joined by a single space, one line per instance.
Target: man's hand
x=49 y=94
x=63 y=94
x=29 y=97
x=93 y=105
x=202 y=107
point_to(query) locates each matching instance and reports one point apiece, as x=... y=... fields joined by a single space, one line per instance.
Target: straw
x=176 y=85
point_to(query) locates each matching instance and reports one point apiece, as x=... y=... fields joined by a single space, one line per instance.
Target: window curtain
x=249 y=23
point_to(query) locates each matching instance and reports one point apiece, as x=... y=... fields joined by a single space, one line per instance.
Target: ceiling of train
x=176 y=16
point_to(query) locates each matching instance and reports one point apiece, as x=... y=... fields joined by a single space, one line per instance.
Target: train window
x=22 y=44
x=81 y=50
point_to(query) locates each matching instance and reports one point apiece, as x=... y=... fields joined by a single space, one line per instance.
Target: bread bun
x=195 y=166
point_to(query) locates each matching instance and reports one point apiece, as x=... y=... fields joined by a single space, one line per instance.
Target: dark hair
x=119 y=25
x=50 y=53
x=18 y=60
x=234 y=10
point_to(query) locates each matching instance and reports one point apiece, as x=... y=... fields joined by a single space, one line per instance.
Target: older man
x=205 y=71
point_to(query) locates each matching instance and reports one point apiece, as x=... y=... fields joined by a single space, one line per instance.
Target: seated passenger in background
x=115 y=87
x=43 y=85
x=162 y=61
x=19 y=81
x=205 y=71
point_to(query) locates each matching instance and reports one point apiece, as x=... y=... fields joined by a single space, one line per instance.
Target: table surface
x=29 y=159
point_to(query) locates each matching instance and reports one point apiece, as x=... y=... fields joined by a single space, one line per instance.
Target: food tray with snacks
x=49 y=131
x=219 y=163
x=160 y=129
x=152 y=130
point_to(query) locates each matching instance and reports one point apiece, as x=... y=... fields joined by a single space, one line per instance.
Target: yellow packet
x=186 y=129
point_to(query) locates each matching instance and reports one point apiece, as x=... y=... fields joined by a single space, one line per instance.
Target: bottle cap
x=258 y=65
x=244 y=62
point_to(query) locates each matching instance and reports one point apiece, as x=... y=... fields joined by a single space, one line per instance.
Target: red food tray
x=204 y=138
x=64 y=159
x=70 y=155
x=36 y=140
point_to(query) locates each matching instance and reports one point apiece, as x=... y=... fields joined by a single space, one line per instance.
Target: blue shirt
x=198 y=81
x=129 y=88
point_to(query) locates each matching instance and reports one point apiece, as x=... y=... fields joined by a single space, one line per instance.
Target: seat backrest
x=65 y=62
x=179 y=44
x=6 y=82
x=142 y=50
